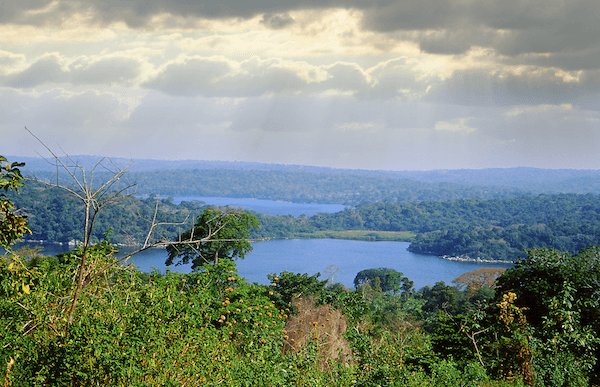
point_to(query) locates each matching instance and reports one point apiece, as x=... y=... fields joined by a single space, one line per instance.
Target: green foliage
x=560 y=296
x=57 y=216
x=211 y=327
x=219 y=233
x=499 y=228
x=503 y=229
x=12 y=224
x=286 y=286
x=363 y=235
x=446 y=373
x=388 y=280
x=133 y=328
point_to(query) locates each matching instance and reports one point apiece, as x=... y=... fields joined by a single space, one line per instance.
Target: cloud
x=344 y=77
x=192 y=76
x=105 y=70
x=452 y=41
x=54 y=69
x=217 y=76
x=140 y=13
x=552 y=136
x=180 y=115
x=510 y=86
x=546 y=29
x=339 y=130
x=277 y=21
x=85 y=122
x=222 y=77
x=45 y=70
x=510 y=27
x=9 y=59
x=412 y=83
x=396 y=78
x=459 y=125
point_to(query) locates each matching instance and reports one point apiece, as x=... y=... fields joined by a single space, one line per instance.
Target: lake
x=336 y=259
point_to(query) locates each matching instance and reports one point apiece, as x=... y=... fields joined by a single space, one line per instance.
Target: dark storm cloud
x=277 y=21
x=511 y=27
x=139 y=12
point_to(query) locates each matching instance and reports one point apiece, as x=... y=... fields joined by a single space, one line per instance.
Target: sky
x=370 y=84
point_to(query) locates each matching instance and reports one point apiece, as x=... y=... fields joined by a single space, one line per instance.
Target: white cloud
x=538 y=109
x=459 y=125
x=9 y=60
x=55 y=69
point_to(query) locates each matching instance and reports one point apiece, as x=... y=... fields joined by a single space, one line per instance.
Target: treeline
x=318 y=186
x=489 y=229
x=56 y=216
x=476 y=228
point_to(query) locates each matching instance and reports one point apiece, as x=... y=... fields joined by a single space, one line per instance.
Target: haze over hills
x=311 y=183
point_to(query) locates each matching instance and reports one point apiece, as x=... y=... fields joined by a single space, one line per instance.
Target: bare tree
x=95 y=197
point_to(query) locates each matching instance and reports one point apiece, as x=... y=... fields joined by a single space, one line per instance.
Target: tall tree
x=388 y=280
x=218 y=233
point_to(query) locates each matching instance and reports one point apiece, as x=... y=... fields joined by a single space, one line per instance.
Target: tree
x=12 y=224
x=388 y=280
x=476 y=279
x=560 y=296
x=218 y=233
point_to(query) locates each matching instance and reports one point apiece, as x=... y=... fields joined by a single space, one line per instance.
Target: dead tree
x=97 y=196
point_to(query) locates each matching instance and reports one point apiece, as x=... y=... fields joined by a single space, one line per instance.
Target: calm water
x=264 y=206
x=337 y=259
x=333 y=258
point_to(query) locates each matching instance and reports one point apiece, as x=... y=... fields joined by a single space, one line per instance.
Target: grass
x=365 y=235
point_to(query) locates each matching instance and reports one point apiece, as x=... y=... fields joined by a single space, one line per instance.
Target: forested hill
x=484 y=228
x=55 y=215
x=475 y=228
x=317 y=184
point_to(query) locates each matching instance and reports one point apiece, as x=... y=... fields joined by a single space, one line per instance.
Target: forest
x=84 y=318
x=326 y=185
x=495 y=229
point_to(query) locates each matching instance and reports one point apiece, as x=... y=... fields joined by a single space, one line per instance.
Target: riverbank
x=358 y=235
x=466 y=258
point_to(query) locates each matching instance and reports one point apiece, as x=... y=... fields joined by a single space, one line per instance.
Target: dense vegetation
x=539 y=326
x=297 y=186
x=56 y=216
x=477 y=228
x=83 y=318
x=326 y=185
x=13 y=225
x=489 y=229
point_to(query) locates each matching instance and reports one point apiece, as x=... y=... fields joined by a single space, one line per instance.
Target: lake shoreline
x=464 y=258
x=348 y=235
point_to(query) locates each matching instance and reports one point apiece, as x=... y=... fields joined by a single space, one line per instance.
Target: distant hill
x=320 y=184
